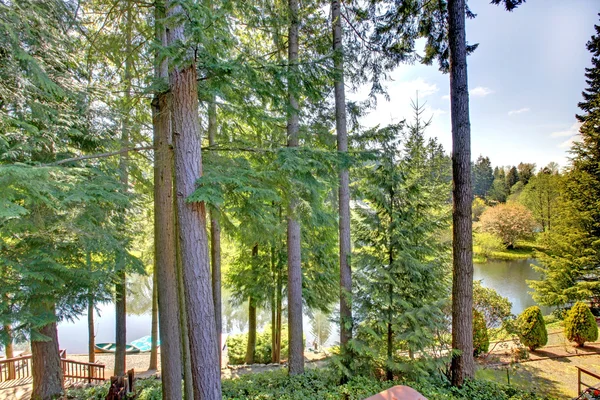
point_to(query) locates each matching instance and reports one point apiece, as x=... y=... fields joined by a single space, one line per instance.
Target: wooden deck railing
x=581 y=384
x=82 y=371
x=73 y=371
x=15 y=368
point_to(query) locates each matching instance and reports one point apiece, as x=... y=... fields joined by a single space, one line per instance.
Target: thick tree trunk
x=9 y=350
x=215 y=235
x=153 y=366
x=121 y=286
x=200 y=312
x=296 y=341
x=344 y=188
x=463 y=366
x=185 y=342
x=251 y=346
x=46 y=371
x=165 y=247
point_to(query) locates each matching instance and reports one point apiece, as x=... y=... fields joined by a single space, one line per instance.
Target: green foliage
x=483 y=176
x=478 y=208
x=542 y=196
x=487 y=243
x=580 y=324
x=401 y=264
x=494 y=308
x=481 y=339
x=323 y=384
x=531 y=328
x=236 y=347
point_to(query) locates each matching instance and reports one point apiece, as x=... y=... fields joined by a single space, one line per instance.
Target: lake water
x=509 y=278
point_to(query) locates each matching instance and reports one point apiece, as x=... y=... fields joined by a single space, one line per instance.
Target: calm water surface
x=509 y=278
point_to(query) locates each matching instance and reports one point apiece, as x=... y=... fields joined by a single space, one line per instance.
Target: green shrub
x=488 y=243
x=580 y=324
x=481 y=340
x=237 y=344
x=324 y=384
x=531 y=328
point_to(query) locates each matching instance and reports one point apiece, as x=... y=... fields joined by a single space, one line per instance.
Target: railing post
x=578 y=381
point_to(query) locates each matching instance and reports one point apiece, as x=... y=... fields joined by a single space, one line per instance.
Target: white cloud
x=446 y=97
x=572 y=131
x=519 y=111
x=572 y=134
x=411 y=88
x=480 y=91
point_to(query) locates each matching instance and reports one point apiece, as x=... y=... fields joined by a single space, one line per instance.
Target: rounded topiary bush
x=481 y=340
x=532 y=328
x=580 y=324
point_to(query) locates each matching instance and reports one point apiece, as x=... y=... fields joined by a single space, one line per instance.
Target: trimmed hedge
x=580 y=324
x=531 y=328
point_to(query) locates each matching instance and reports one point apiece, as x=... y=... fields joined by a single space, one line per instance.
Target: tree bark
x=344 y=178
x=165 y=247
x=463 y=366
x=200 y=312
x=121 y=286
x=90 y=317
x=9 y=350
x=153 y=366
x=46 y=371
x=296 y=341
x=185 y=343
x=215 y=235
x=251 y=346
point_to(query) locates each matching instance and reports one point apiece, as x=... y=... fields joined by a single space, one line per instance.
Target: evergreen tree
x=512 y=177
x=401 y=263
x=483 y=176
x=570 y=263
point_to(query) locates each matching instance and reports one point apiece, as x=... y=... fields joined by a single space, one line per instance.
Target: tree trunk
x=9 y=350
x=279 y=301
x=46 y=371
x=251 y=347
x=185 y=343
x=463 y=366
x=344 y=188
x=215 y=235
x=273 y=301
x=121 y=286
x=165 y=247
x=90 y=317
x=296 y=341
x=153 y=366
x=200 y=312
x=389 y=375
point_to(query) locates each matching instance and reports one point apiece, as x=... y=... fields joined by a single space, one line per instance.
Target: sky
x=525 y=80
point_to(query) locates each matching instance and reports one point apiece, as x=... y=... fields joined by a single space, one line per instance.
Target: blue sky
x=525 y=81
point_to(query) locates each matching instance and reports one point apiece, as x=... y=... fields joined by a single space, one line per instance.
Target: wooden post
x=578 y=381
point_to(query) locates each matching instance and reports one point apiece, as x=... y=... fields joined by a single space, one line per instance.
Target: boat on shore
x=112 y=347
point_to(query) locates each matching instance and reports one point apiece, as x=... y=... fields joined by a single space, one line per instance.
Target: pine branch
x=100 y=155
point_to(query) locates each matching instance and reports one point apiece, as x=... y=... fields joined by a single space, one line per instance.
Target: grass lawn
x=524 y=249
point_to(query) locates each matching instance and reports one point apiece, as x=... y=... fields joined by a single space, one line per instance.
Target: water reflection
x=509 y=278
